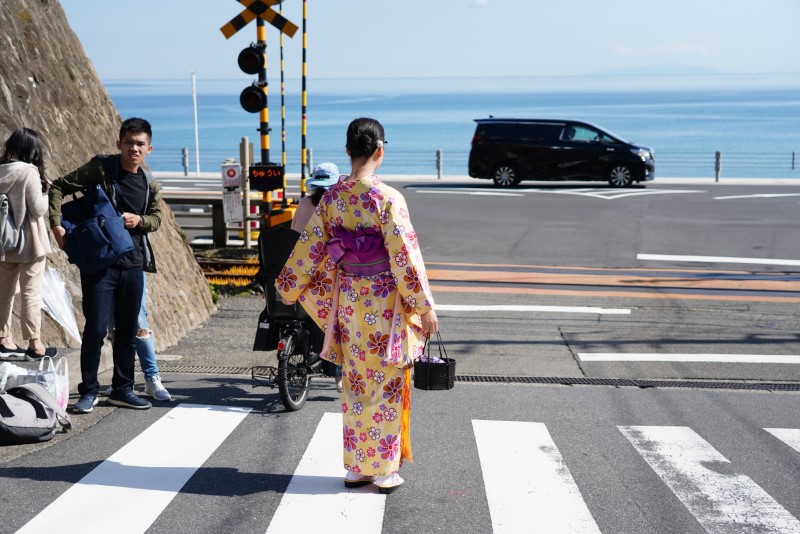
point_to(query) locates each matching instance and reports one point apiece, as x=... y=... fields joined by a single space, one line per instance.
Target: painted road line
x=524 y=308
x=473 y=193
x=716 y=259
x=631 y=280
x=527 y=482
x=761 y=195
x=140 y=480
x=691 y=358
x=723 y=502
x=662 y=295
x=790 y=436
x=316 y=499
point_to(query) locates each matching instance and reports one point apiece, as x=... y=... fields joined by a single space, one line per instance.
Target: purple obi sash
x=359 y=252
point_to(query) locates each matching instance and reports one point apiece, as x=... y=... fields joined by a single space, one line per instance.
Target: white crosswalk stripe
x=790 y=436
x=523 y=472
x=317 y=485
x=526 y=478
x=722 y=502
x=144 y=475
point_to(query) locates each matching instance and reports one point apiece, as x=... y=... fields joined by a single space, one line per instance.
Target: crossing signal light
x=253 y=98
x=251 y=59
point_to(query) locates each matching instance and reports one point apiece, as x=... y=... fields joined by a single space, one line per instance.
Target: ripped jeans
x=145 y=345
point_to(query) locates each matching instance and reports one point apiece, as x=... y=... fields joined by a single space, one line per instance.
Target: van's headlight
x=642 y=153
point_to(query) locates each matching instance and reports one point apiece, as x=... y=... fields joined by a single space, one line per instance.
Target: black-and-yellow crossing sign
x=258 y=8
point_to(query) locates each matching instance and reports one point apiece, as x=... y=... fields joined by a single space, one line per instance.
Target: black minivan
x=511 y=150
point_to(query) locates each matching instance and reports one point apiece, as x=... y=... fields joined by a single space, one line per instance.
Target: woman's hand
x=287 y=302
x=430 y=323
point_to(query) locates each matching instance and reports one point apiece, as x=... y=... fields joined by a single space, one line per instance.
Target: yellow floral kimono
x=371 y=319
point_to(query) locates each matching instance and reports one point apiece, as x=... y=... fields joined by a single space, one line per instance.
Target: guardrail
x=454 y=162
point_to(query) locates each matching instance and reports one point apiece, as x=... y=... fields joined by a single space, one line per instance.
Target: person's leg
x=127 y=300
x=9 y=275
x=146 y=349
x=145 y=345
x=98 y=294
x=30 y=283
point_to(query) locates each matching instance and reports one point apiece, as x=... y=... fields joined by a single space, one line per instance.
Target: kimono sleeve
x=307 y=275
x=405 y=257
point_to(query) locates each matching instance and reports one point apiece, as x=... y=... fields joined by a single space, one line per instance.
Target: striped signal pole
x=283 y=115
x=261 y=35
x=303 y=117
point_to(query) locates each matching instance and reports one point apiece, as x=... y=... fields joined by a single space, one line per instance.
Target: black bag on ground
x=29 y=414
x=436 y=375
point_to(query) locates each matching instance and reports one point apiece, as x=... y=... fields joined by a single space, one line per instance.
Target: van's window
x=536 y=132
x=495 y=130
x=580 y=134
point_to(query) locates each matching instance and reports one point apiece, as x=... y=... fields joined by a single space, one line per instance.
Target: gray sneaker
x=154 y=388
x=86 y=403
x=126 y=399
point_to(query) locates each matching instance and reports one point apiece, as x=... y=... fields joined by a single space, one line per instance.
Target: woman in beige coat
x=23 y=180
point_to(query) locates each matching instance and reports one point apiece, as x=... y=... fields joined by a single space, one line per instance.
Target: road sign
x=258 y=8
x=231 y=175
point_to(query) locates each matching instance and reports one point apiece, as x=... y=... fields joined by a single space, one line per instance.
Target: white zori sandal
x=356 y=480
x=389 y=483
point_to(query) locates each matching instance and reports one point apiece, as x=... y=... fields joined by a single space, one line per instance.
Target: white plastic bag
x=58 y=304
x=55 y=379
x=16 y=376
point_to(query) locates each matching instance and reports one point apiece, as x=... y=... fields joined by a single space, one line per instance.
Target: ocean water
x=754 y=121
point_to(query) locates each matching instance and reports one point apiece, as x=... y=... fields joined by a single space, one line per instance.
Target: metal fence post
x=792 y=159
x=717 y=165
x=185 y=160
x=245 y=151
x=439 y=164
x=309 y=160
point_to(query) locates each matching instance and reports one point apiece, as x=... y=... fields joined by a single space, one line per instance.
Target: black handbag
x=435 y=375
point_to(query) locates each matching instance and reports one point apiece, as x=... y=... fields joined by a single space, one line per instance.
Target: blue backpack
x=96 y=237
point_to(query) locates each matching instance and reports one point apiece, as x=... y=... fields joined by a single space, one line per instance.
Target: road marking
x=609 y=194
x=605 y=194
x=790 y=436
x=473 y=193
x=139 y=481
x=694 y=358
x=723 y=502
x=716 y=259
x=761 y=195
x=527 y=482
x=316 y=499
x=524 y=308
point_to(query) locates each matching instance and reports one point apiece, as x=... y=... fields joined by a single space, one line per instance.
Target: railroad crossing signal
x=258 y=8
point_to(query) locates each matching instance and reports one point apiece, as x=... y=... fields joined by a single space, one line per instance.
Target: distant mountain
x=664 y=69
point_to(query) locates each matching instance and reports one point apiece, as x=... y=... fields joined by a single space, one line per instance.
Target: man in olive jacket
x=137 y=195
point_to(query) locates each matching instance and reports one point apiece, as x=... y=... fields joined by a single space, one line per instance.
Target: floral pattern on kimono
x=375 y=325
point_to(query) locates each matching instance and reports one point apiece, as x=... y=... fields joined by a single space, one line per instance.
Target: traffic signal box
x=265 y=176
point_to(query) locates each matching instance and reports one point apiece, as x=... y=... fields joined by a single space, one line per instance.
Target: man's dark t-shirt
x=131 y=196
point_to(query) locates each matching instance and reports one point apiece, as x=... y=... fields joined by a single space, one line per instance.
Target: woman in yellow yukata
x=357 y=270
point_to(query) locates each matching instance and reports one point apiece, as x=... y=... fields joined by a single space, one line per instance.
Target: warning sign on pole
x=232 y=206
x=231 y=175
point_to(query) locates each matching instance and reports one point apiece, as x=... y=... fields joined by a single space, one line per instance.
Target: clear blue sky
x=167 y=39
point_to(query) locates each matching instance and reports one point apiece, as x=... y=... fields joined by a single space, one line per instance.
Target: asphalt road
x=538 y=282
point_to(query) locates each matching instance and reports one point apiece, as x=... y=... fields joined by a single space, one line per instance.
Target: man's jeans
x=145 y=345
x=117 y=291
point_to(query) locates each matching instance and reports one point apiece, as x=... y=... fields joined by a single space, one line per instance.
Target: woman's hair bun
x=362 y=137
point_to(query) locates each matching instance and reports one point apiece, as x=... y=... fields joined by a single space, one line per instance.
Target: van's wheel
x=620 y=175
x=505 y=175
